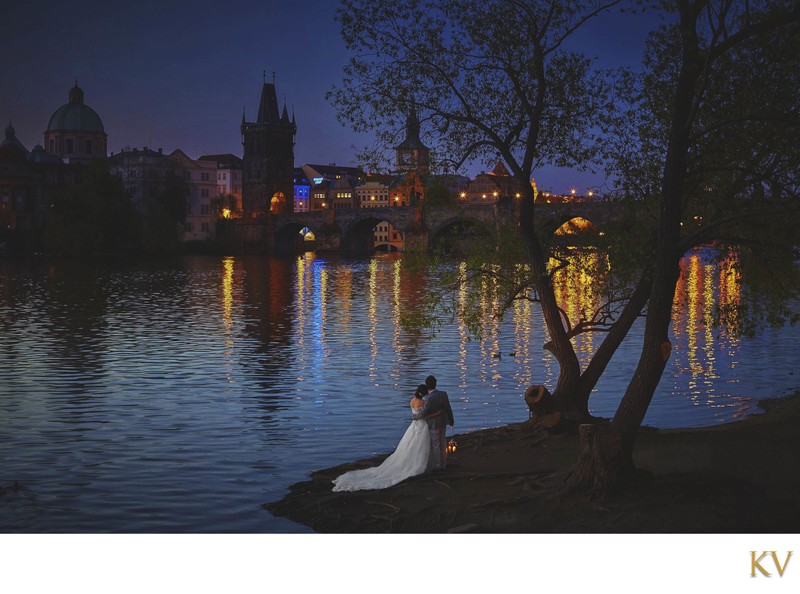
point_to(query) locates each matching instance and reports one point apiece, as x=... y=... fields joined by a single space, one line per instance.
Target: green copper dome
x=75 y=115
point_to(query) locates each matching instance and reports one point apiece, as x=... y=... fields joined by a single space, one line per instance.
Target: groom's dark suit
x=436 y=401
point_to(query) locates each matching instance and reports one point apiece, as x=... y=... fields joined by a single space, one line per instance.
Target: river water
x=180 y=395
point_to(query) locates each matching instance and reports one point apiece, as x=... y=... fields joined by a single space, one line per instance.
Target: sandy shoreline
x=740 y=477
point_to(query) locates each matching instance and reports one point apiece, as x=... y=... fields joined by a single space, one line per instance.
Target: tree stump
x=603 y=468
x=544 y=408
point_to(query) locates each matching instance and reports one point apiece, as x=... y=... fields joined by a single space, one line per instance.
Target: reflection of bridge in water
x=351 y=230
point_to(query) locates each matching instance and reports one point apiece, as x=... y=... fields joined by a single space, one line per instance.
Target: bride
x=410 y=458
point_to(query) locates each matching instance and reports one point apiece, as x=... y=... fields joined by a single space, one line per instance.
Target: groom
x=438 y=414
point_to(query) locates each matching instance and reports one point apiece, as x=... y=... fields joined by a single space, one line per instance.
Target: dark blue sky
x=177 y=73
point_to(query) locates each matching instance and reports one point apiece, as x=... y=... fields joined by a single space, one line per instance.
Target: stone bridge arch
x=358 y=228
x=352 y=229
x=289 y=238
x=455 y=232
x=572 y=218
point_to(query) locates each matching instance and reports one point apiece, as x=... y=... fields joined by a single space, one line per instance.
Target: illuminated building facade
x=373 y=193
x=201 y=178
x=332 y=186
x=229 y=183
x=302 y=191
x=496 y=185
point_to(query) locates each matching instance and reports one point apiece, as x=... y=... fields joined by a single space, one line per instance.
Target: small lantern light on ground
x=452 y=445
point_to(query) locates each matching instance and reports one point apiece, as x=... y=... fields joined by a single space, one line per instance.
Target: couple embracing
x=423 y=447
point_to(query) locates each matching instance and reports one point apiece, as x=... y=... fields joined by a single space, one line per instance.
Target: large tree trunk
x=571 y=404
x=605 y=462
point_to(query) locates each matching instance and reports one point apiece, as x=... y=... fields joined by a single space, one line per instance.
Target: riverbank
x=740 y=477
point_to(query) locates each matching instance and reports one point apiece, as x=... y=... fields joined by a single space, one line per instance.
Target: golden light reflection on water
x=704 y=286
x=397 y=296
x=489 y=347
x=227 y=317
x=521 y=317
x=227 y=293
x=463 y=335
x=372 y=314
x=577 y=293
x=335 y=303
x=303 y=273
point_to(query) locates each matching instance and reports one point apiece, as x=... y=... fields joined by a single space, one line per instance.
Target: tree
x=436 y=194
x=226 y=206
x=488 y=78
x=173 y=198
x=95 y=215
x=718 y=107
x=701 y=146
x=165 y=215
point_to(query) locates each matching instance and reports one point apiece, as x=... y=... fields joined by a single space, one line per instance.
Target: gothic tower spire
x=268 y=159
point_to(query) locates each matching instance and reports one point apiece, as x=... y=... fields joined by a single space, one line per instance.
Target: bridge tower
x=412 y=155
x=268 y=158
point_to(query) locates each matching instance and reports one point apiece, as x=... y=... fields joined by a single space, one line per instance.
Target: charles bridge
x=351 y=230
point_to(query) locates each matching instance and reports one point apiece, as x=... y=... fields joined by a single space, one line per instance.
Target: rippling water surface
x=179 y=396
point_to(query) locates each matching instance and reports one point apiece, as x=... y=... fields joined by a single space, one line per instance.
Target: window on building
x=204 y=193
x=204 y=209
x=88 y=147
x=70 y=145
x=204 y=227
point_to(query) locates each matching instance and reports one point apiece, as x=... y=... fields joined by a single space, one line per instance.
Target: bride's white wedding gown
x=411 y=457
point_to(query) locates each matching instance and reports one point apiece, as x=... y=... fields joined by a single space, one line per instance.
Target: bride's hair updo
x=422 y=390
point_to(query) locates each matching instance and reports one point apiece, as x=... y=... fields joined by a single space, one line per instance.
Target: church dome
x=75 y=115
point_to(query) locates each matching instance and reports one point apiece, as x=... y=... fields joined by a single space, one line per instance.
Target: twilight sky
x=177 y=73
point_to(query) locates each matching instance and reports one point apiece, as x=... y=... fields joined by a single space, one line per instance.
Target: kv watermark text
x=759 y=563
